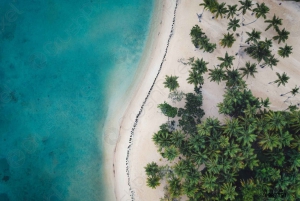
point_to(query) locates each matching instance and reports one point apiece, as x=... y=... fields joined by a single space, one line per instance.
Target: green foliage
x=200 y=40
x=275 y=22
x=227 y=61
x=235 y=102
x=245 y=5
x=168 y=110
x=233 y=24
x=285 y=51
x=260 y=50
x=281 y=79
x=231 y=11
x=254 y=36
x=171 y=83
x=227 y=40
x=281 y=35
x=261 y=10
x=219 y=10
x=209 y=4
x=216 y=75
x=249 y=69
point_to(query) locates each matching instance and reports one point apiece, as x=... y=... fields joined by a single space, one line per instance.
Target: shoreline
x=143 y=104
x=113 y=122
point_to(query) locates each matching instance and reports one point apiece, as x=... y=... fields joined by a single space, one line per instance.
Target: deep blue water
x=55 y=58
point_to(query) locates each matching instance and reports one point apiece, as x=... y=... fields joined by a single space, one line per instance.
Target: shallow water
x=55 y=58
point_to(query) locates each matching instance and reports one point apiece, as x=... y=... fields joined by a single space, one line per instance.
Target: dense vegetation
x=254 y=155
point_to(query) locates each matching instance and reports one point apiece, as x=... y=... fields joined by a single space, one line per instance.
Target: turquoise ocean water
x=55 y=59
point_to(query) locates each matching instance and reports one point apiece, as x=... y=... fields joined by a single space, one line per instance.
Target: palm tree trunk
x=285 y=94
x=250 y=22
x=287 y=99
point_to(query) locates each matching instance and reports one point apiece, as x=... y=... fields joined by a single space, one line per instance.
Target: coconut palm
x=209 y=182
x=254 y=36
x=282 y=79
x=220 y=10
x=285 y=51
x=270 y=61
x=228 y=191
x=209 y=4
x=282 y=35
x=245 y=5
x=153 y=181
x=249 y=69
x=151 y=169
x=216 y=75
x=177 y=138
x=275 y=22
x=227 y=40
x=276 y=121
x=232 y=150
x=171 y=83
x=227 y=61
x=233 y=24
x=260 y=11
x=170 y=153
x=233 y=78
x=195 y=78
x=293 y=92
x=200 y=66
x=175 y=187
x=260 y=51
x=268 y=141
x=247 y=136
x=232 y=127
x=231 y=10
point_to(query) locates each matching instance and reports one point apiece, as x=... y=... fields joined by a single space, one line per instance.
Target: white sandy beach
x=143 y=150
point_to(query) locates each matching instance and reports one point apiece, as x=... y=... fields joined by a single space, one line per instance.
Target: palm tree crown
x=227 y=40
x=195 y=78
x=261 y=10
x=285 y=51
x=200 y=66
x=209 y=4
x=220 y=10
x=246 y=5
x=233 y=24
x=282 y=35
x=227 y=61
x=249 y=69
x=171 y=82
x=274 y=22
x=216 y=75
x=231 y=10
x=254 y=36
x=282 y=79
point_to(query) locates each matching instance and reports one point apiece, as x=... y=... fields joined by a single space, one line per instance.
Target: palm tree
x=209 y=4
x=293 y=92
x=249 y=69
x=260 y=11
x=177 y=138
x=200 y=66
x=270 y=61
x=170 y=153
x=171 y=83
x=228 y=191
x=275 y=22
x=153 y=181
x=254 y=36
x=233 y=78
x=268 y=141
x=175 y=187
x=276 y=121
x=151 y=169
x=232 y=127
x=260 y=51
x=216 y=75
x=282 y=35
x=282 y=79
x=234 y=23
x=195 y=78
x=232 y=150
x=227 y=61
x=228 y=40
x=246 y=5
x=285 y=51
x=247 y=136
x=220 y=10
x=231 y=10
x=209 y=182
